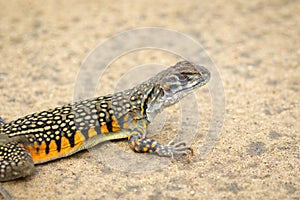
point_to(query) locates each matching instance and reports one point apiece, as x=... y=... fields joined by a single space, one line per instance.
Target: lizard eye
x=161 y=93
x=184 y=77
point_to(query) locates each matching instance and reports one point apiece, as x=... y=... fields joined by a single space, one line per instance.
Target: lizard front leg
x=140 y=144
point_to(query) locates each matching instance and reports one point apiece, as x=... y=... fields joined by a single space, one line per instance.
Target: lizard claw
x=174 y=148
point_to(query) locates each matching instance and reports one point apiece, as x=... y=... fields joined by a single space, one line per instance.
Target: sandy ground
x=254 y=45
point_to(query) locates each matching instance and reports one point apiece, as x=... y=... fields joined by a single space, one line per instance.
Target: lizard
x=62 y=131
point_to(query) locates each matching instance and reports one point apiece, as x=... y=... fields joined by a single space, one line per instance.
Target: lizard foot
x=174 y=148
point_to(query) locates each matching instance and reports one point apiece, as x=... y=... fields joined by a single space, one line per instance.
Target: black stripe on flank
x=109 y=123
x=109 y=126
x=47 y=150
x=85 y=133
x=71 y=140
x=58 y=144
x=145 y=103
x=98 y=130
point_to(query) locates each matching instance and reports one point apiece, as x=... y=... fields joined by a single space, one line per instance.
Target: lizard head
x=174 y=83
x=179 y=80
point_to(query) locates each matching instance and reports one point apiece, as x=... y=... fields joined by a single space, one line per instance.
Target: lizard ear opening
x=161 y=92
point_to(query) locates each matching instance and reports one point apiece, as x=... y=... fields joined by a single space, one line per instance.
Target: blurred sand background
x=256 y=47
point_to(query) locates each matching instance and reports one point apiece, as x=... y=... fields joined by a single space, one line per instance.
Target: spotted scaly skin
x=65 y=130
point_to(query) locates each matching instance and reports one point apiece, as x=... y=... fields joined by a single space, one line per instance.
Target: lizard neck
x=152 y=104
x=144 y=100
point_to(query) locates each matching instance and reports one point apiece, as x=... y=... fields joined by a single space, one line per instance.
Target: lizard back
x=64 y=130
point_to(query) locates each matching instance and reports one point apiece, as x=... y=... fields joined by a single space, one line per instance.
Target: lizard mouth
x=205 y=74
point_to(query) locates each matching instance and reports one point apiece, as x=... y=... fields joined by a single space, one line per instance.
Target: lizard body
x=65 y=130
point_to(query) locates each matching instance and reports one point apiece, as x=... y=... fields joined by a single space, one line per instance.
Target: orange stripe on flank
x=38 y=152
x=92 y=132
x=125 y=121
x=115 y=125
x=104 y=128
